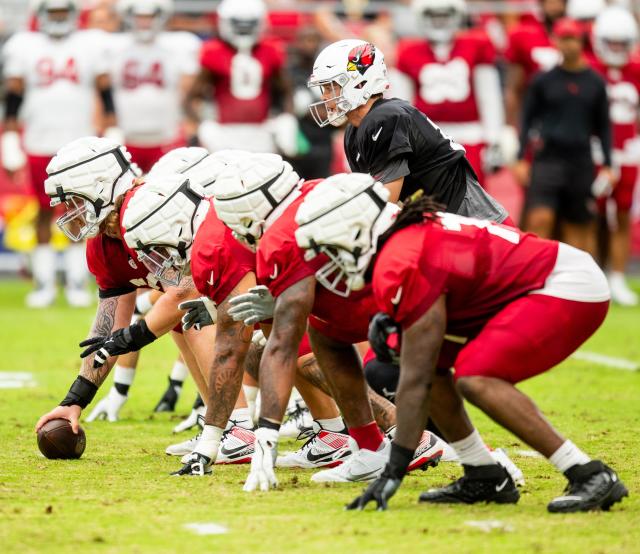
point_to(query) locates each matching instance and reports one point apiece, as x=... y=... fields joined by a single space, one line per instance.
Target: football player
x=151 y=70
x=93 y=179
x=391 y=139
x=518 y=305
x=456 y=81
x=615 y=36
x=530 y=49
x=51 y=79
x=246 y=73
x=585 y=13
x=258 y=203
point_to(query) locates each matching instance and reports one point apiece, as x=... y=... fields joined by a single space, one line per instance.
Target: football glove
x=380 y=491
x=109 y=407
x=200 y=313
x=382 y=327
x=492 y=158
x=13 y=156
x=197 y=464
x=252 y=307
x=263 y=461
x=123 y=341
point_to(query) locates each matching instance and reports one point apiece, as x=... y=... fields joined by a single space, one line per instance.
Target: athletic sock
x=123 y=378
x=209 y=441
x=472 y=451
x=367 y=436
x=335 y=424
x=43 y=266
x=251 y=393
x=568 y=455
x=179 y=372
x=240 y=417
x=75 y=266
x=198 y=403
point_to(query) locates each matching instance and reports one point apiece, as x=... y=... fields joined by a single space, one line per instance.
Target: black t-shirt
x=397 y=140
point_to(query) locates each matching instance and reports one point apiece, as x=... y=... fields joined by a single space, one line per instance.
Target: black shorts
x=564 y=185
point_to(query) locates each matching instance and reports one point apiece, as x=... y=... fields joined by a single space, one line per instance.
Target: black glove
x=123 y=341
x=385 y=486
x=382 y=326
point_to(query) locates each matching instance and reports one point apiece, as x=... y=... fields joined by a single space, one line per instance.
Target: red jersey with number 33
x=281 y=264
x=479 y=266
x=242 y=81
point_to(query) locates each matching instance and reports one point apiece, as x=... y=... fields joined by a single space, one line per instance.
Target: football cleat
x=169 y=399
x=362 y=465
x=299 y=420
x=185 y=447
x=41 y=298
x=322 y=449
x=78 y=298
x=196 y=464
x=196 y=417
x=592 y=486
x=429 y=452
x=491 y=483
x=620 y=292
x=500 y=456
x=236 y=446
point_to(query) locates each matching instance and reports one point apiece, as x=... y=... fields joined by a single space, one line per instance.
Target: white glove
x=13 y=156
x=263 y=461
x=252 y=307
x=109 y=407
x=285 y=134
x=492 y=158
x=115 y=134
x=200 y=313
x=602 y=186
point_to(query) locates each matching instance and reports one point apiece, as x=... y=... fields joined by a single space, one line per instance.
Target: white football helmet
x=159 y=10
x=615 y=35
x=342 y=218
x=585 y=10
x=240 y=23
x=440 y=19
x=249 y=195
x=53 y=24
x=87 y=175
x=201 y=167
x=160 y=222
x=347 y=73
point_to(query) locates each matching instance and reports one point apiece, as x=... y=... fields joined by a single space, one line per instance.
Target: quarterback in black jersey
x=389 y=138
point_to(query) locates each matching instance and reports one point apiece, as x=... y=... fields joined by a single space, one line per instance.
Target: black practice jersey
x=394 y=134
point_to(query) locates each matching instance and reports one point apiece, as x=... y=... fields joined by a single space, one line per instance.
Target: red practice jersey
x=623 y=90
x=530 y=47
x=242 y=82
x=445 y=89
x=218 y=261
x=281 y=264
x=480 y=267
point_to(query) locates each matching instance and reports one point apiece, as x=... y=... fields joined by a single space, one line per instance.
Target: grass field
x=119 y=497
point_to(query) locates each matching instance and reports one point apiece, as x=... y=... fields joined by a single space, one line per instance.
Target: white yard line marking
x=206 y=528
x=488 y=525
x=16 y=380
x=609 y=361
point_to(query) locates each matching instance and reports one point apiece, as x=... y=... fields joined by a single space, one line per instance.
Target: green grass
x=119 y=498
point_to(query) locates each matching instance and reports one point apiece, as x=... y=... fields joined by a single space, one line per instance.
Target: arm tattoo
x=102 y=326
x=225 y=378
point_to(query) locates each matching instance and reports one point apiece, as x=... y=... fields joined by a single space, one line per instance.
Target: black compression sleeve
x=80 y=394
x=13 y=102
x=106 y=94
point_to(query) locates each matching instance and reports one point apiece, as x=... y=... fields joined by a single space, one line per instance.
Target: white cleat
x=322 y=449
x=183 y=448
x=78 y=298
x=299 y=420
x=41 y=298
x=429 y=452
x=109 y=407
x=196 y=417
x=362 y=465
x=236 y=446
x=500 y=456
x=620 y=292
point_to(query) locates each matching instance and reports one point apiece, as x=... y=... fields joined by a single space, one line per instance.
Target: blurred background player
x=615 y=37
x=151 y=70
x=51 y=78
x=585 y=13
x=246 y=73
x=456 y=81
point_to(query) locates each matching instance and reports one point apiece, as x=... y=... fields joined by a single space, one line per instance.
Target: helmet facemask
x=55 y=23
x=334 y=107
x=441 y=25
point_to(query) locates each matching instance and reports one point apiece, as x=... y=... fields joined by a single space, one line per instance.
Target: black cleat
x=170 y=397
x=490 y=483
x=197 y=464
x=592 y=486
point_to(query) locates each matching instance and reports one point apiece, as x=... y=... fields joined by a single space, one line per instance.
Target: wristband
x=263 y=422
x=399 y=461
x=80 y=394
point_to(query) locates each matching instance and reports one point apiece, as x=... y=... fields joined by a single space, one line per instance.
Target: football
x=57 y=441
